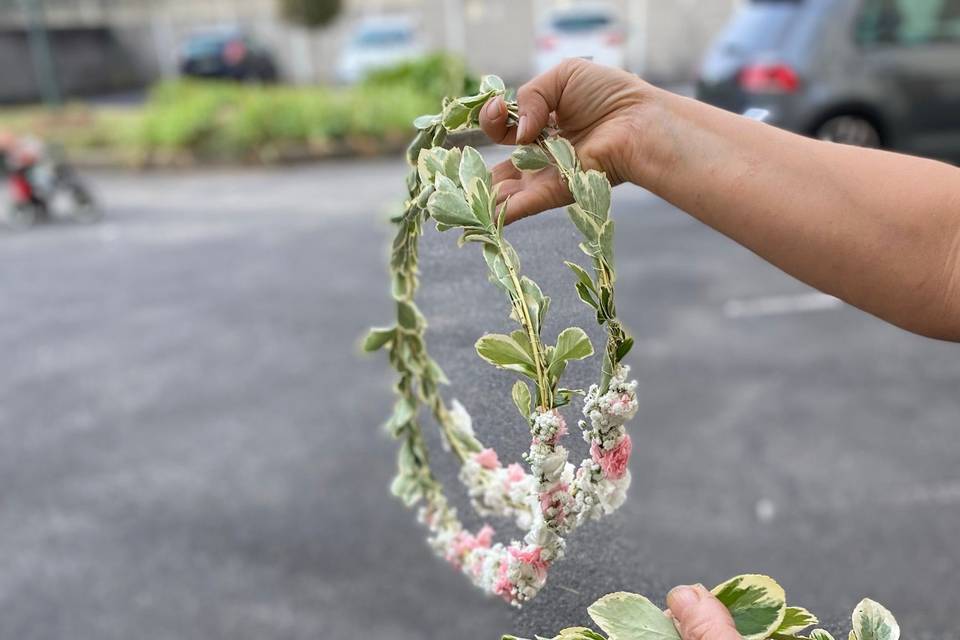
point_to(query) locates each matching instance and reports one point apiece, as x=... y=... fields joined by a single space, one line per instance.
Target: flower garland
x=455 y=189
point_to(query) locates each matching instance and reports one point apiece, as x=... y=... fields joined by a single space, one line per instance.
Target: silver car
x=880 y=73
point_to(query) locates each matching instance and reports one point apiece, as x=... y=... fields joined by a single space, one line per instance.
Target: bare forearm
x=879 y=230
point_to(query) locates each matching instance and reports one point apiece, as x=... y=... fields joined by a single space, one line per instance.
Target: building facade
x=665 y=38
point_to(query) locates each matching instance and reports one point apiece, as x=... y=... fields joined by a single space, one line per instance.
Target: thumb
x=700 y=615
x=540 y=97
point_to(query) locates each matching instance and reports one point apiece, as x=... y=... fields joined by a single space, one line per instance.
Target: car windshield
x=383 y=36
x=761 y=25
x=581 y=22
x=205 y=45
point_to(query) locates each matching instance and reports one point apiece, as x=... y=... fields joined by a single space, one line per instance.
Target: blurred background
x=193 y=238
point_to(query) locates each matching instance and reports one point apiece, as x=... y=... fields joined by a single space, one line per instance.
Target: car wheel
x=853 y=130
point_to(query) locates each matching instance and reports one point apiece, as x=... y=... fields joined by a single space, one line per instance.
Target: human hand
x=594 y=107
x=699 y=615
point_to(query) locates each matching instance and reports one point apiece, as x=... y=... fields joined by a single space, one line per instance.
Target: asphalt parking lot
x=192 y=445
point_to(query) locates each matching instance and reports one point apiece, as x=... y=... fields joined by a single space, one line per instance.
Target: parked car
x=877 y=73
x=590 y=30
x=226 y=52
x=378 y=43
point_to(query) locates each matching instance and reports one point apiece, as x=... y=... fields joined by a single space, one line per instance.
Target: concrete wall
x=87 y=60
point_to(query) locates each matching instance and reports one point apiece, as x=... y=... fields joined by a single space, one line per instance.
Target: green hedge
x=229 y=122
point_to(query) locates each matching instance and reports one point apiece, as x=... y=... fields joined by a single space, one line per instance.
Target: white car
x=377 y=43
x=593 y=31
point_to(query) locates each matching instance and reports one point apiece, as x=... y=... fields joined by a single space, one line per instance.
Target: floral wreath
x=455 y=189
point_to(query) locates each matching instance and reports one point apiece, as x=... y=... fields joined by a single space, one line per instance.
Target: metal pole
x=41 y=53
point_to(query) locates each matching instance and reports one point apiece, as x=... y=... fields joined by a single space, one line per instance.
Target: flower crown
x=455 y=189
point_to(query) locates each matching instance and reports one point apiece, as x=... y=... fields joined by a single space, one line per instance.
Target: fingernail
x=494 y=108
x=522 y=129
x=682 y=597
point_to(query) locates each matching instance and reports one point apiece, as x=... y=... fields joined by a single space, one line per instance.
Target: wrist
x=650 y=154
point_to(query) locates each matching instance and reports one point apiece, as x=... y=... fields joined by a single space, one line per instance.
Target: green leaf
x=451 y=165
x=579 y=633
x=522 y=398
x=473 y=166
x=505 y=353
x=606 y=243
x=451 y=209
x=409 y=317
x=563 y=153
x=377 y=338
x=622 y=352
x=419 y=144
x=872 y=621
x=757 y=604
x=820 y=634
x=481 y=201
x=628 y=616
x=795 y=620
x=537 y=303
x=499 y=273
x=582 y=275
x=456 y=115
x=592 y=192
x=530 y=158
x=427 y=122
x=430 y=163
x=584 y=223
x=403 y=412
x=492 y=84
x=572 y=344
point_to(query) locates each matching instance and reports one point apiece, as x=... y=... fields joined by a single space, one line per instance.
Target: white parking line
x=780 y=305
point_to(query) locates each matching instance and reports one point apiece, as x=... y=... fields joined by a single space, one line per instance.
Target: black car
x=881 y=73
x=226 y=53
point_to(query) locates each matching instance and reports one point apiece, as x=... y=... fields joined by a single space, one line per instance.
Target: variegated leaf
x=795 y=620
x=529 y=158
x=451 y=209
x=757 y=604
x=572 y=344
x=820 y=634
x=505 y=353
x=628 y=616
x=522 y=398
x=563 y=153
x=377 y=338
x=872 y=621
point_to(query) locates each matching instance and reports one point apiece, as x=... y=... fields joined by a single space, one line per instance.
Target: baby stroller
x=42 y=186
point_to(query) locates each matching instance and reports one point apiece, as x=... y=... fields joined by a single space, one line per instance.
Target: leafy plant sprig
x=757 y=604
x=454 y=188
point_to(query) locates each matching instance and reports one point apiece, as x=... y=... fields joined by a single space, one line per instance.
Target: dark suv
x=228 y=53
x=882 y=73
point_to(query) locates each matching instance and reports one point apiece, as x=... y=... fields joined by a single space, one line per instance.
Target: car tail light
x=234 y=52
x=546 y=43
x=20 y=190
x=614 y=38
x=769 y=78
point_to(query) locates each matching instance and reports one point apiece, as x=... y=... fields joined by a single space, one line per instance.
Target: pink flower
x=613 y=462
x=531 y=557
x=549 y=499
x=503 y=587
x=487 y=459
x=515 y=473
x=484 y=539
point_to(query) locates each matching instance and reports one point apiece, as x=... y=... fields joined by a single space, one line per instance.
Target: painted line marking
x=780 y=305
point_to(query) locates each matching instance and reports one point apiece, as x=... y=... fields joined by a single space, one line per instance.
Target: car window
x=761 y=25
x=581 y=23
x=383 y=37
x=910 y=22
